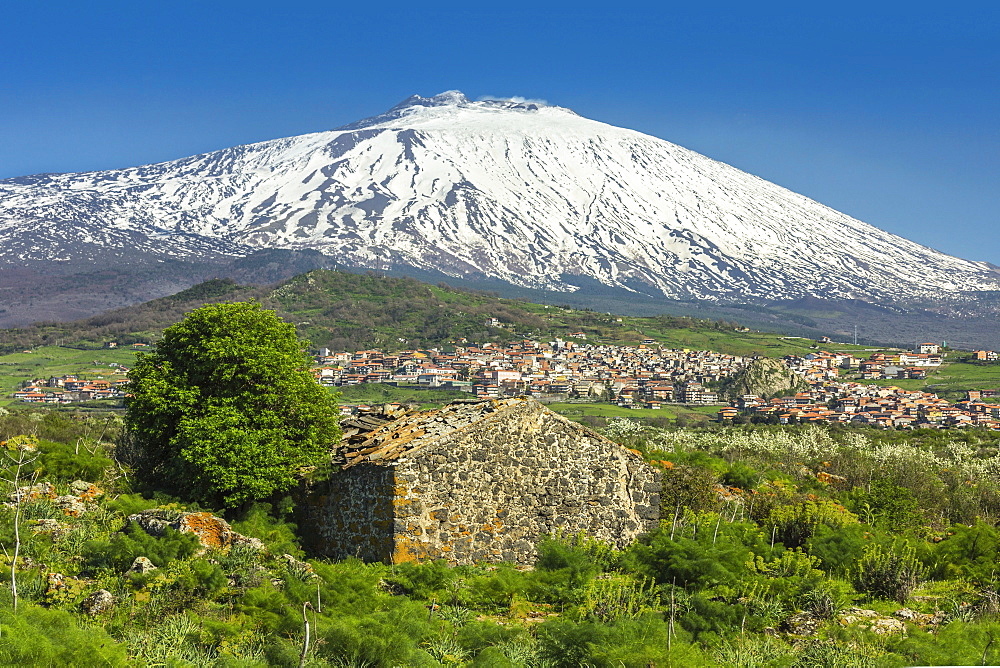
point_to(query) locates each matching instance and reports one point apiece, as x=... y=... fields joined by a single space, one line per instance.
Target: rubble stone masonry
x=486 y=491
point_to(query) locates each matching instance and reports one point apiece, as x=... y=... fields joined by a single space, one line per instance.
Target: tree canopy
x=225 y=410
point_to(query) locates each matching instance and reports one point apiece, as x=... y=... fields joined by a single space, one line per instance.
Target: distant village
x=644 y=376
x=831 y=400
x=648 y=376
x=71 y=389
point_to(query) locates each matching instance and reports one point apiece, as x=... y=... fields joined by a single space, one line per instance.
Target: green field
x=954 y=379
x=671 y=412
x=380 y=393
x=949 y=381
x=734 y=342
x=15 y=368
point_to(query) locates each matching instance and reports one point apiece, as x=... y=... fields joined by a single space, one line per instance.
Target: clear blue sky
x=889 y=114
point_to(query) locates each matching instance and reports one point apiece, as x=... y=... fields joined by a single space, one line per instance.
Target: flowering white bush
x=815 y=442
x=622 y=428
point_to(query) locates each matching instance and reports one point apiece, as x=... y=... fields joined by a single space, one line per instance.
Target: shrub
x=968 y=552
x=63 y=462
x=120 y=550
x=891 y=573
x=839 y=548
x=40 y=637
x=795 y=523
x=688 y=487
x=704 y=559
x=887 y=506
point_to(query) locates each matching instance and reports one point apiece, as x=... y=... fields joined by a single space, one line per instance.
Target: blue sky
x=889 y=114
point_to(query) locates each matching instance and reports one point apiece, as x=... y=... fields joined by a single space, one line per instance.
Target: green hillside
x=346 y=311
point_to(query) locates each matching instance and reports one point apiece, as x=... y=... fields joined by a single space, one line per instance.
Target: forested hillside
x=346 y=311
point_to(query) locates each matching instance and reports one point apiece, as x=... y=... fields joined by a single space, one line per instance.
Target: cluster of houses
x=831 y=400
x=645 y=376
x=69 y=389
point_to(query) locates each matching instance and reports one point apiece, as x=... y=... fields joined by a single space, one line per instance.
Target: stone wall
x=351 y=515
x=487 y=492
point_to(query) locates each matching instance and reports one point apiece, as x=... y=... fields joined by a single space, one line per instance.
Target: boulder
x=872 y=620
x=40 y=490
x=99 y=602
x=85 y=491
x=70 y=505
x=211 y=531
x=141 y=565
x=54 y=528
x=802 y=624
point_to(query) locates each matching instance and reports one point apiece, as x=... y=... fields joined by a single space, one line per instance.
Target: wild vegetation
x=779 y=547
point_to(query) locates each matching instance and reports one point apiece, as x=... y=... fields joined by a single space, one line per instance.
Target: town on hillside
x=829 y=399
x=644 y=376
x=648 y=376
x=68 y=389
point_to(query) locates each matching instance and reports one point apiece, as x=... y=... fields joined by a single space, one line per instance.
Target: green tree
x=225 y=410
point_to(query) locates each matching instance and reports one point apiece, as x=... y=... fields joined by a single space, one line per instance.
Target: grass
x=949 y=381
x=734 y=342
x=672 y=412
x=380 y=393
x=47 y=361
x=955 y=378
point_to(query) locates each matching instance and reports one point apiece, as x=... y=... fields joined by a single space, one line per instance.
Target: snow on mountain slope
x=524 y=193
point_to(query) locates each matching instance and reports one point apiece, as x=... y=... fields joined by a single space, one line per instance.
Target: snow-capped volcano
x=525 y=193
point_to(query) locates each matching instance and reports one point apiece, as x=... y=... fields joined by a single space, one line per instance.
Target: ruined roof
x=373 y=418
x=394 y=439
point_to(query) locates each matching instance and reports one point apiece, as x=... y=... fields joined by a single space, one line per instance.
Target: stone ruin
x=476 y=481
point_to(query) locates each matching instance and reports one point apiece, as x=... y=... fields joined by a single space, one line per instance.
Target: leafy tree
x=225 y=410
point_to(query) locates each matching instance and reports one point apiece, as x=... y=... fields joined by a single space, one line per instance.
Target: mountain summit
x=513 y=191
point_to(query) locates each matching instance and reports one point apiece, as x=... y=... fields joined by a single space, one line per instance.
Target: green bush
x=476 y=636
x=795 y=523
x=706 y=553
x=889 y=572
x=580 y=557
x=707 y=619
x=422 y=580
x=887 y=506
x=119 y=551
x=385 y=638
x=971 y=552
x=688 y=487
x=63 y=462
x=565 y=643
x=955 y=644
x=839 y=548
x=259 y=521
x=39 y=637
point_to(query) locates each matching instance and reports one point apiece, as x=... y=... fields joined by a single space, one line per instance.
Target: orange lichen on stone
x=211 y=531
x=407 y=550
x=91 y=493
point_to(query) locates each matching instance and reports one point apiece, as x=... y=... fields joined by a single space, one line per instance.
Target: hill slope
x=349 y=311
